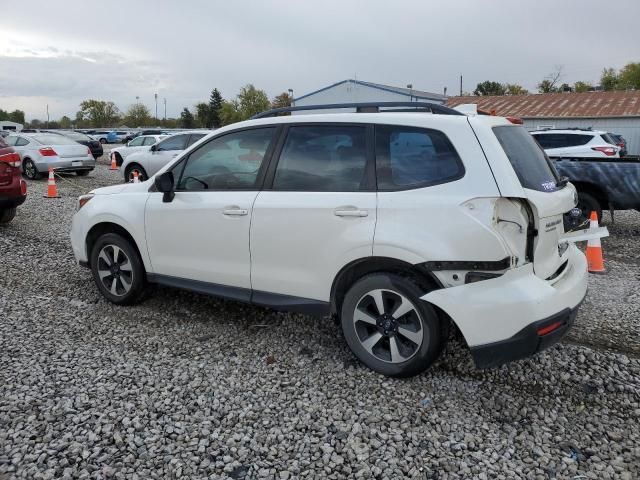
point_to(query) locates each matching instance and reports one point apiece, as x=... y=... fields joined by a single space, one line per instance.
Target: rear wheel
x=587 y=203
x=389 y=328
x=117 y=269
x=29 y=169
x=7 y=214
x=134 y=167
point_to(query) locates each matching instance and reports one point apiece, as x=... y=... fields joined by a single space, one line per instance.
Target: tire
x=103 y=141
x=417 y=334
x=128 y=173
x=7 y=214
x=29 y=169
x=129 y=269
x=587 y=203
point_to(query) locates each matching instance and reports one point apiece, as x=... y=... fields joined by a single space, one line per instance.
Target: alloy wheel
x=115 y=270
x=388 y=326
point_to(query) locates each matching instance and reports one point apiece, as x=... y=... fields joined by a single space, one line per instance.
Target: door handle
x=235 y=211
x=349 y=212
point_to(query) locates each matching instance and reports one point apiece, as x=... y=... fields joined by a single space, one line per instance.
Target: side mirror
x=164 y=183
x=153 y=148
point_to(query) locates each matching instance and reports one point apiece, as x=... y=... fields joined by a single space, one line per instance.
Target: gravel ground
x=187 y=386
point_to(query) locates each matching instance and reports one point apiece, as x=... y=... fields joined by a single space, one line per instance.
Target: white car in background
x=577 y=143
x=146 y=163
x=138 y=144
x=40 y=151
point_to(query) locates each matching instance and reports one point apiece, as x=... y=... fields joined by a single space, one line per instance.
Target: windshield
x=533 y=168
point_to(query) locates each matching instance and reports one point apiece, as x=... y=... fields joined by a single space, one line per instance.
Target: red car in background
x=13 y=189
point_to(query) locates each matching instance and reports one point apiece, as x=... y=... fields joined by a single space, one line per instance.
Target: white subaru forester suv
x=397 y=223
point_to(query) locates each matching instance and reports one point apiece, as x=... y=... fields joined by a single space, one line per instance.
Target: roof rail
x=367 y=107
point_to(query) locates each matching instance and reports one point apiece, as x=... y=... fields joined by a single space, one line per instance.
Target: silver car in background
x=40 y=151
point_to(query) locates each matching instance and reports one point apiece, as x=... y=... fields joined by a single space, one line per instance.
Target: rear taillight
x=88 y=151
x=515 y=120
x=12 y=159
x=542 y=331
x=47 y=152
x=608 y=151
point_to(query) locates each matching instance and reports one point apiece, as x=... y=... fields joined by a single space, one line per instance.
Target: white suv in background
x=149 y=160
x=397 y=223
x=577 y=143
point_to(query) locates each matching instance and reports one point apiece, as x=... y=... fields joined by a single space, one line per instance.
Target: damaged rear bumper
x=501 y=318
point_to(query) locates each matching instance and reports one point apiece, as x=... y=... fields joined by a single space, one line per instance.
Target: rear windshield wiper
x=562 y=182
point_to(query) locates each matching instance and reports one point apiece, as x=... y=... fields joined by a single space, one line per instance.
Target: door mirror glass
x=164 y=183
x=153 y=148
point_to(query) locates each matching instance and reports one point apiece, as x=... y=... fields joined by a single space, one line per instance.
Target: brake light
x=549 y=328
x=13 y=159
x=47 y=152
x=608 y=151
x=515 y=120
x=88 y=151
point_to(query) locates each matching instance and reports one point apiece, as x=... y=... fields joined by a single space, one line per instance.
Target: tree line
x=215 y=113
x=627 y=78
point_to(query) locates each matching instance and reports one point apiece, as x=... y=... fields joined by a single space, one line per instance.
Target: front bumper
x=499 y=317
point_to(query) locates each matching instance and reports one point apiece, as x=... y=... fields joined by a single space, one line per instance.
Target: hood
x=123 y=188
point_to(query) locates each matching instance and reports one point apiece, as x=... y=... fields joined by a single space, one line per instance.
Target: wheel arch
x=102 y=228
x=593 y=189
x=361 y=267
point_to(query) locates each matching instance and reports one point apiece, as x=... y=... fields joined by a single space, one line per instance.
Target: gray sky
x=63 y=52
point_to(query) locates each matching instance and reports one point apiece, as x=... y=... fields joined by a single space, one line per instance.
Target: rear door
x=549 y=198
x=317 y=212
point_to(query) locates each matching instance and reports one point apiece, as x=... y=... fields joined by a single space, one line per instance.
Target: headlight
x=83 y=200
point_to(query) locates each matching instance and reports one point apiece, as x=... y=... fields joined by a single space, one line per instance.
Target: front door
x=203 y=234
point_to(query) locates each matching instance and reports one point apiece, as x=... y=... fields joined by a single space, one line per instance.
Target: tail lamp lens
x=47 y=152
x=13 y=159
x=608 y=151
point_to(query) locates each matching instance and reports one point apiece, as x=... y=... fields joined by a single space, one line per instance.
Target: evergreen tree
x=186 y=118
x=215 y=106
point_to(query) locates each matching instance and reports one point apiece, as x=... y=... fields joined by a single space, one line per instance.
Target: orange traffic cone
x=114 y=165
x=52 y=190
x=594 y=249
x=136 y=178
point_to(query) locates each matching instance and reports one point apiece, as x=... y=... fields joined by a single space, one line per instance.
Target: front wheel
x=7 y=214
x=389 y=328
x=134 y=167
x=117 y=269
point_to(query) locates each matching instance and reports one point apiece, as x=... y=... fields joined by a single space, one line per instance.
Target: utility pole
x=460 y=85
x=165 y=108
x=290 y=91
x=47 y=115
x=156 y=97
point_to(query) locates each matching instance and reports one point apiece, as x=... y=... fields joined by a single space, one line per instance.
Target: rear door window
x=409 y=157
x=323 y=158
x=529 y=161
x=176 y=142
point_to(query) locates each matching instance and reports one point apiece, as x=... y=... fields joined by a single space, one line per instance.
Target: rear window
x=562 y=140
x=529 y=161
x=54 y=139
